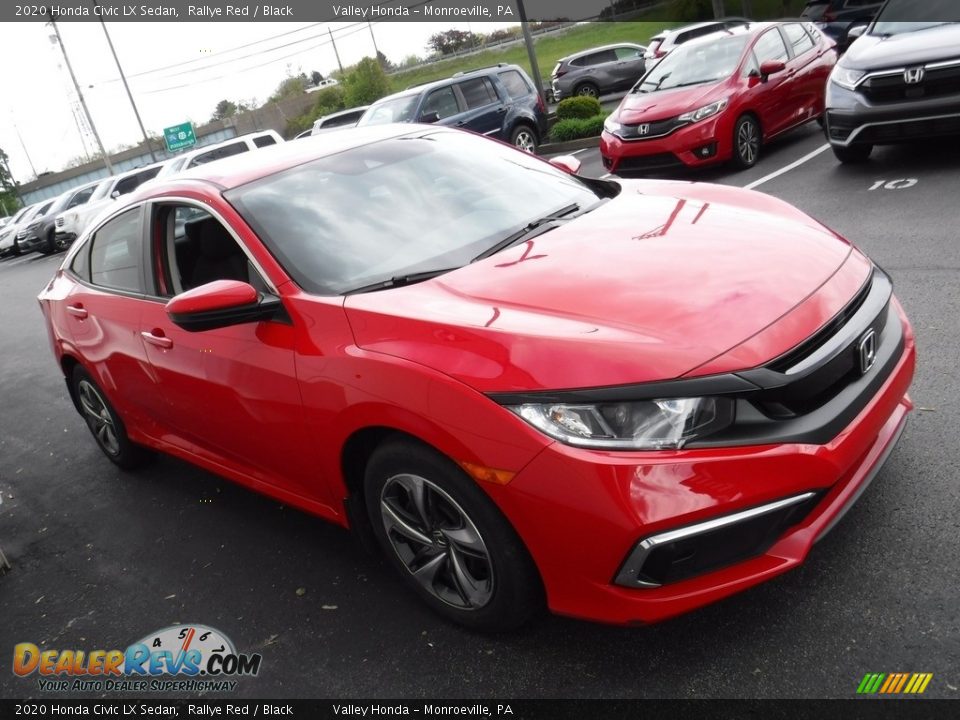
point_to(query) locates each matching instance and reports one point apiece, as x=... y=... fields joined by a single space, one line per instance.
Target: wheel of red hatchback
x=746 y=142
x=107 y=427
x=447 y=539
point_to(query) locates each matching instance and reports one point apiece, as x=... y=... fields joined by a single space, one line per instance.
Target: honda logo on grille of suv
x=913 y=76
x=867 y=350
x=643 y=129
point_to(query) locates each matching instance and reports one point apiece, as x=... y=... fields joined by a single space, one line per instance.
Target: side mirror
x=430 y=117
x=567 y=163
x=115 y=194
x=221 y=303
x=855 y=32
x=771 y=67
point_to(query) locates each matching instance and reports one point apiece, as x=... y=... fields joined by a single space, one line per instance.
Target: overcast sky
x=39 y=99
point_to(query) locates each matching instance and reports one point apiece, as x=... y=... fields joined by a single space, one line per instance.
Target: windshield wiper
x=401 y=280
x=531 y=229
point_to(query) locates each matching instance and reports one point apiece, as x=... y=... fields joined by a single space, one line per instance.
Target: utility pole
x=528 y=39
x=718 y=10
x=86 y=110
x=126 y=87
x=376 y=50
x=746 y=7
x=334 y=43
x=24 y=146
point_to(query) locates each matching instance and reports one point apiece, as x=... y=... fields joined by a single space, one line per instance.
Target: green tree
x=9 y=203
x=365 y=83
x=291 y=87
x=224 y=109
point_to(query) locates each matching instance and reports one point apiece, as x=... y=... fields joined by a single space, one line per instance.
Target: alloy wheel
x=588 y=91
x=98 y=417
x=748 y=142
x=437 y=541
x=525 y=141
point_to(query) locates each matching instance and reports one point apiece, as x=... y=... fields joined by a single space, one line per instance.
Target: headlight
x=637 y=425
x=847 y=78
x=704 y=112
x=611 y=125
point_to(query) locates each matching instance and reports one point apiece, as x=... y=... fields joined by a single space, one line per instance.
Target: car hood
x=663 y=104
x=871 y=52
x=650 y=286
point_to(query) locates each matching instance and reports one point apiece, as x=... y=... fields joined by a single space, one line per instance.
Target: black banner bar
x=872 y=708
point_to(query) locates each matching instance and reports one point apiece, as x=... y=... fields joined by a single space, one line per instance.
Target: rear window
x=516 y=85
x=219 y=153
x=341 y=120
x=264 y=140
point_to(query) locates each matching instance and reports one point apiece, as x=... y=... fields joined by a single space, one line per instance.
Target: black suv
x=498 y=101
x=900 y=81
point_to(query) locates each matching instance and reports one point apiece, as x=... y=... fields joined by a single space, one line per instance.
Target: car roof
x=423 y=87
x=707 y=23
x=240 y=169
x=599 y=48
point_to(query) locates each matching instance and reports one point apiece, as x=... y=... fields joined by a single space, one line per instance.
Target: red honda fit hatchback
x=720 y=98
x=624 y=400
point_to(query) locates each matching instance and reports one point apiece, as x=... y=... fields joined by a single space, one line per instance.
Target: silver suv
x=598 y=71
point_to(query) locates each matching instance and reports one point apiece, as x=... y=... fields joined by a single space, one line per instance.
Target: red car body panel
x=782 y=102
x=667 y=280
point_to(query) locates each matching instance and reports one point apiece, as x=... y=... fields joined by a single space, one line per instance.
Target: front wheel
x=853 y=153
x=746 y=142
x=523 y=138
x=448 y=540
x=104 y=423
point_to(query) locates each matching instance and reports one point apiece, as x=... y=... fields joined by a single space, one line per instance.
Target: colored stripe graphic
x=894 y=683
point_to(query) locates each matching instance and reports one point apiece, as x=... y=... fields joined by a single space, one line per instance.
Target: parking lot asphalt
x=101 y=558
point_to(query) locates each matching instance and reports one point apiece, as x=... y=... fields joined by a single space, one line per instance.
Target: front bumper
x=29 y=243
x=852 y=120
x=681 y=148
x=583 y=513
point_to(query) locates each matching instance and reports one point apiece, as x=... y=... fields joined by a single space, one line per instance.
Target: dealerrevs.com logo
x=180 y=658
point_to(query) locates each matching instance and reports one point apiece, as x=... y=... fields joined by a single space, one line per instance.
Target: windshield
x=401 y=206
x=398 y=110
x=697 y=63
x=904 y=16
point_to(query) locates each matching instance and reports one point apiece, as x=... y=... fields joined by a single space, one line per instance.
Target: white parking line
x=788 y=168
x=577 y=152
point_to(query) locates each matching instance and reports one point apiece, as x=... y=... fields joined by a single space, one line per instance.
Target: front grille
x=910 y=130
x=937 y=82
x=653 y=130
x=660 y=161
x=59 y=222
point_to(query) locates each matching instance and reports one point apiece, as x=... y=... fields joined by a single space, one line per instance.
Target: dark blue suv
x=498 y=101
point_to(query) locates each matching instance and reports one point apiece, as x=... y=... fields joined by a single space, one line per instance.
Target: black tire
x=524 y=138
x=49 y=245
x=747 y=140
x=16 y=252
x=474 y=570
x=104 y=423
x=587 y=89
x=853 y=154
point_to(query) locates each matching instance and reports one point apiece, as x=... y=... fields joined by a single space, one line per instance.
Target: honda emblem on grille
x=914 y=76
x=643 y=129
x=867 y=350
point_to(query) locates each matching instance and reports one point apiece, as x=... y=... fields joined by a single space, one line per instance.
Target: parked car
x=323 y=85
x=70 y=223
x=303 y=134
x=498 y=101
x=663 y=43
x=598 y=71
x=4 y=220
x=338 y=120
x=8 y=234
x=837 y=17
x=465 y=351
x=899 y=82
x=41 y=233
x=20 y=244
x=720 y=99
x=218 y=151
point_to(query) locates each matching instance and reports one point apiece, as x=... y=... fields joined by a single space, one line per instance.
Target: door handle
x=501 y=110
x=77 y=311
x=461 y=123
x=160 y=341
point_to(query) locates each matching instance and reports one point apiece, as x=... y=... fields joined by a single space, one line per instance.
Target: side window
x=770 y=47
x=115 y=253
x=126 y=185
x=80 y=198
x=478 y=92
x=798 y=38
x=442 y=102
x=516 y=86
x=219 y=153
x=195 y=249
x=264 y=141
x=628 y=53
x=604 y=56
x=750 y=66
x=81 y=262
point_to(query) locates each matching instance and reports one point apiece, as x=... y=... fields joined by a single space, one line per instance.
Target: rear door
x=629 y=65
x=805 y=75
x=484 y=109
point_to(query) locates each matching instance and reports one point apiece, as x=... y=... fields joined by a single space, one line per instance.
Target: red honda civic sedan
x=623 y=400
x=720 y=98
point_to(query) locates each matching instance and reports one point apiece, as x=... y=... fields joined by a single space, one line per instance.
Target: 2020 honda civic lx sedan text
x=619 y=400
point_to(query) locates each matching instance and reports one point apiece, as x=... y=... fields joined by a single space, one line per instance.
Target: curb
x=570 y=145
